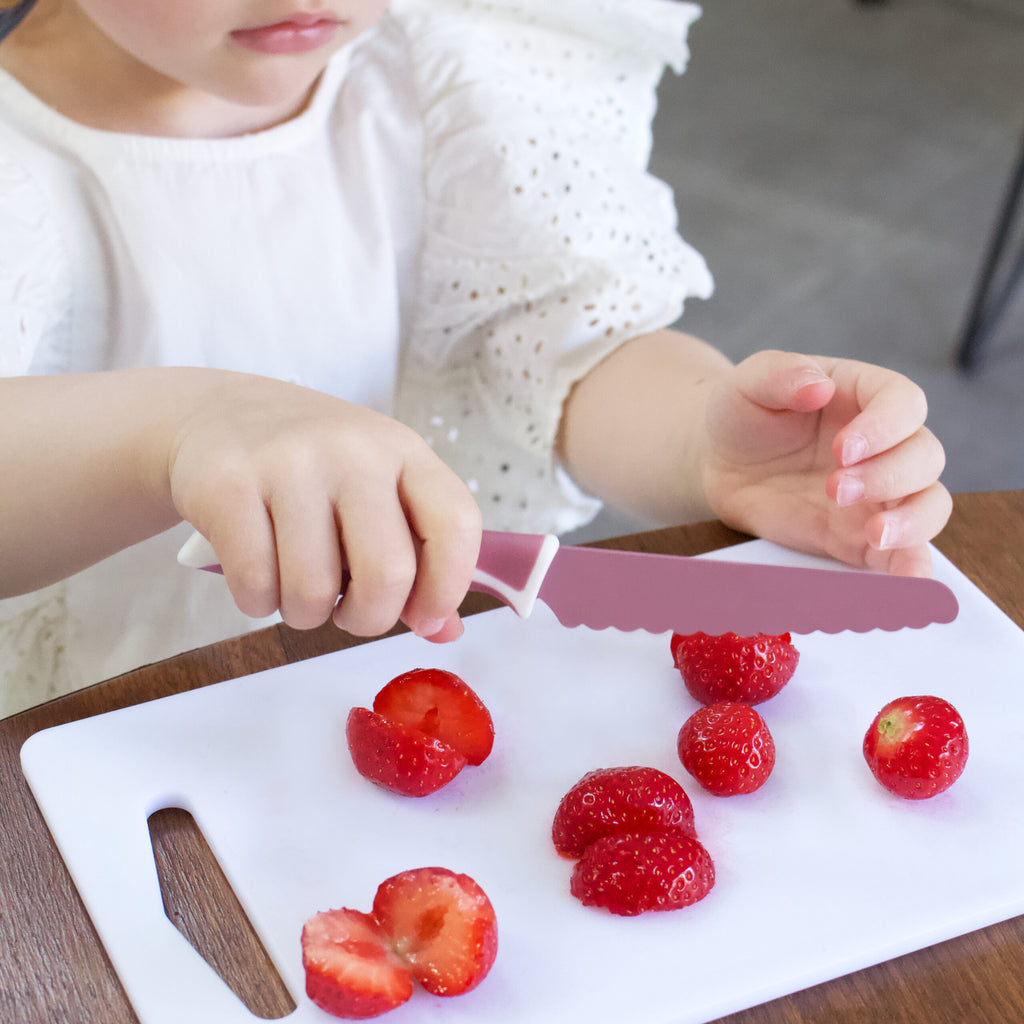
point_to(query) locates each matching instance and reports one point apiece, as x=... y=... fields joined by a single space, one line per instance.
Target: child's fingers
x=447 y=522
x=912 y=522
x=308 y=556
x=911 y=466
x=381 y=559
x=243 y=538
x=891 y=408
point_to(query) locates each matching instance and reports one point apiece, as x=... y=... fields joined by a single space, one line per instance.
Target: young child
x=336 y=284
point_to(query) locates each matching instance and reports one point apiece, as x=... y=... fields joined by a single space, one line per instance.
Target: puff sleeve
x=34 y=273
x=546 y=242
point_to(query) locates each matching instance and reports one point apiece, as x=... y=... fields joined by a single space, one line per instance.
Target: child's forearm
x=633 y=428
x=84 y=467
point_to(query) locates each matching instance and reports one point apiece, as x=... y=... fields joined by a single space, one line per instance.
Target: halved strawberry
x=425 y=727
x=442 y=925
x=631 y=874
x=917 y=746
x=400 y=758
x=745 y=669
x=440 y=704
x=609 y=801
x=350 y=969
x=427 y=923
x=727 y=748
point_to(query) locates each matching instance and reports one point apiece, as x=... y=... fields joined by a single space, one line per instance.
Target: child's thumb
x=785 y=381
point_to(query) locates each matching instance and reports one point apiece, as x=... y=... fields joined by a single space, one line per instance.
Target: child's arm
x=820 y=454
x=272 y=474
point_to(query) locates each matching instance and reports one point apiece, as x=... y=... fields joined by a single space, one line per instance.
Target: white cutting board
x=819 y=873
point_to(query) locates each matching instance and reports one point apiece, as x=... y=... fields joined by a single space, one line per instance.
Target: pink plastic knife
x=628 y=590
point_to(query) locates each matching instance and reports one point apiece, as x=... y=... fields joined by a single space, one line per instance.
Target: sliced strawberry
x=442 y=705
x=727 y=748
x=748 y=670
x=399 y=757
x=631 y=874
x=613 y=800
x=917 y=746
x=351 y=971
x=442 y=925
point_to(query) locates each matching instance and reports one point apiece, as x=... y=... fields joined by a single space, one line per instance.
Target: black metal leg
x=990 y=299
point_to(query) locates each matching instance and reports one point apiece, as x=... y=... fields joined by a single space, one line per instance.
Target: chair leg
x=987 y=306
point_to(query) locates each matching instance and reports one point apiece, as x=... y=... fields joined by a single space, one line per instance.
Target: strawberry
x=398 y=757
x=442 y=925
x=428 y=924
x=609 y=801
x=425 y=727
x=748 y=670
x=917 y=746
x=727 y=748
x=350 y=970
x=440 y=704
x=629 y=874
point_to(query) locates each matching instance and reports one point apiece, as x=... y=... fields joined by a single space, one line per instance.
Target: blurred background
x=841 y=166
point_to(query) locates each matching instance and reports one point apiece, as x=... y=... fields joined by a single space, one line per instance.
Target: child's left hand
x=827 y=455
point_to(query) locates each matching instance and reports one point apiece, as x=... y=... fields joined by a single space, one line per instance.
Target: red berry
x=727 y=748
x=429 y=924
x=440 y=704
x=613 y=800
x=442 y=925
x=425 y=727
x=748 y=670
x=351 y=971
x=917 y=746
x=399 y=758
x=631 y=874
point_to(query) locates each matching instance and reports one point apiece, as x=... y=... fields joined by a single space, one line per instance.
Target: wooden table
x=53 y=969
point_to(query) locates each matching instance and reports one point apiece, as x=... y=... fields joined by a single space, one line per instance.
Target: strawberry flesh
x=633 y=874
x=917 y=747
x=610 y=801
x=440 y=704
x=727 y=748
x=748 y=670
x=351 y=971
x=442 y=925
x=400 y=758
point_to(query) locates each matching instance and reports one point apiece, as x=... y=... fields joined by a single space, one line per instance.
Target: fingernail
x=429 y=627
x=855 y=448
x=890 y=536
x=849 y=490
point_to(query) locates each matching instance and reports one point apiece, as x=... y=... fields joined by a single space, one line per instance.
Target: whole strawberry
x=613 y=800
x=630 y=874
x=727 y=748
x=749 y=670
x=917 y=746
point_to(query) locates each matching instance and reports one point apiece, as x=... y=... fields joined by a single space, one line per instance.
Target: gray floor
x=840 y=166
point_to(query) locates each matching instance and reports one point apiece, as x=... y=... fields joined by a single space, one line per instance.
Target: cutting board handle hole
x=200 y=903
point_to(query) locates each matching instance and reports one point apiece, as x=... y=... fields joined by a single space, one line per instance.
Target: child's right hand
x=290 y=486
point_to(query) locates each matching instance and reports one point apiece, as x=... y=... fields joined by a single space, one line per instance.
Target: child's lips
x=299 y=33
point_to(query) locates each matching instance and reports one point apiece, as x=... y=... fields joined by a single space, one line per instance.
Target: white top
x=456 y=229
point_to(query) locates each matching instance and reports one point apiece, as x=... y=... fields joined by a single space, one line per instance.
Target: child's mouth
x=300 y=33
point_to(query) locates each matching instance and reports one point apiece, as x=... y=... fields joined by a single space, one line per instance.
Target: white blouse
x=457 y=228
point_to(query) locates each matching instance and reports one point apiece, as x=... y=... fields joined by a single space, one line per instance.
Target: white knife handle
x=511 y=566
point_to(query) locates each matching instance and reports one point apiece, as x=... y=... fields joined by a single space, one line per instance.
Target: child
x=237 y=237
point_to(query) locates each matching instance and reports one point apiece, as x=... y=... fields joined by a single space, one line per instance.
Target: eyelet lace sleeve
x=34 y=275
x=546 y=242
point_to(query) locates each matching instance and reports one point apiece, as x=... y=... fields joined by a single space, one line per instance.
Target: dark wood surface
x=54 y=970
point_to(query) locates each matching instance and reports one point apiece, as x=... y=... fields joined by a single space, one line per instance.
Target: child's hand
x=827 y=455
x=290 y=486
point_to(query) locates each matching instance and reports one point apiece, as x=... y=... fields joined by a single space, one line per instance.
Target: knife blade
x=600 y=588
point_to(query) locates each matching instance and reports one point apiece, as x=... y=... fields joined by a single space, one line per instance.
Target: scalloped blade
x=626 y=590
